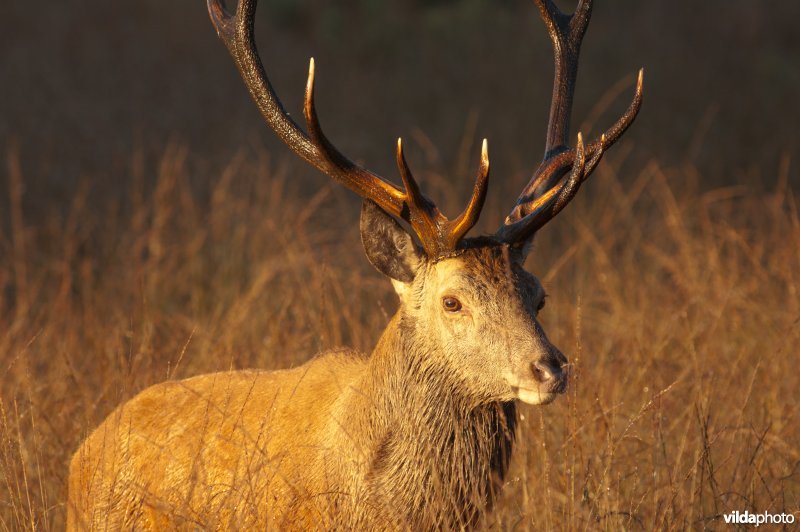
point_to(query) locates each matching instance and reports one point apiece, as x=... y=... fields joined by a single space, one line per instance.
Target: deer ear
x=388 y=246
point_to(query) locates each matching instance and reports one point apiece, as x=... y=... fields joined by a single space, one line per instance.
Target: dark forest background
x=84 y=82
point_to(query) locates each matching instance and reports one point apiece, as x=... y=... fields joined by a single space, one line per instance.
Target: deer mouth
x=534 y=396
x=541 y=392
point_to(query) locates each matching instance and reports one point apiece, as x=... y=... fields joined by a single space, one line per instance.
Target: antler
x=438 y=235
x=549 y=190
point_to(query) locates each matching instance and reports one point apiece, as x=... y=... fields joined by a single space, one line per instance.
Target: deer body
x=400 y=437
x=418 y=434
x=176 y=452
x=346 y=464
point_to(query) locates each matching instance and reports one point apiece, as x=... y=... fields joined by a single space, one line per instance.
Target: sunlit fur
x=416 y=435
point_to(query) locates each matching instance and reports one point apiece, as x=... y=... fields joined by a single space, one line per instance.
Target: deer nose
x=550 y=374
x=544 y=371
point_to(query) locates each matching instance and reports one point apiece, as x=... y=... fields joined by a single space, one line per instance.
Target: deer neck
x=431 y=441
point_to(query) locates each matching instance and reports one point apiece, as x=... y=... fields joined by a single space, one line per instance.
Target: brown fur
x=415 y=436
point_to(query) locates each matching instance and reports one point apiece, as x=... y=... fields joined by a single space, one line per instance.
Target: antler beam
x=438 y=235
x=550 y=188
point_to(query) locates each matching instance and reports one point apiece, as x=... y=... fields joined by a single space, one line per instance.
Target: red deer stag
x=418 y=434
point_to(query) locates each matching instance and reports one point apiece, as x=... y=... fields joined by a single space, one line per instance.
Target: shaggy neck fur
x=438 y=452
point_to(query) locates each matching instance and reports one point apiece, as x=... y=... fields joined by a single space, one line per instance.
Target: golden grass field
x=674 y=292
x=678 y=309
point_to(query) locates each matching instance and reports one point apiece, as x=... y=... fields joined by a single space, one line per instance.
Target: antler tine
x=566 y=33
x=548 y=205
x=622 y=124
x=423 y=216
x=467 y=219
x=439 y=235
x=362 y=182
x=557 y=164
x=221 y=20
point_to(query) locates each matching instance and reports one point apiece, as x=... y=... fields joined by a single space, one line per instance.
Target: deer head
x=468 y=307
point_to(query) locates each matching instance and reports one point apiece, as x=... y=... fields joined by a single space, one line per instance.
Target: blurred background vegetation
x=84 y=82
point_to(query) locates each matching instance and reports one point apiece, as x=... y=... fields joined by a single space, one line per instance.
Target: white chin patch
x=535 y=397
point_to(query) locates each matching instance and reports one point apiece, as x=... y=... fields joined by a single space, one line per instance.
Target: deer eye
x=451 y=304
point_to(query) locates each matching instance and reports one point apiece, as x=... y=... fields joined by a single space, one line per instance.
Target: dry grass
x=679 y=309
